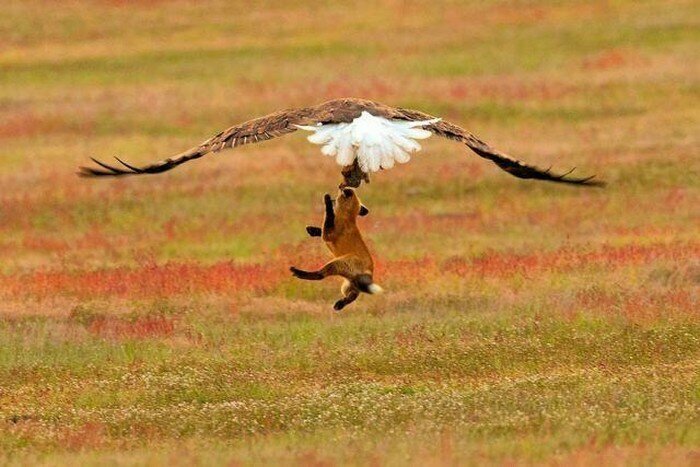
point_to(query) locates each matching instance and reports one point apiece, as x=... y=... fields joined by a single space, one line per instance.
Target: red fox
x=352 y=259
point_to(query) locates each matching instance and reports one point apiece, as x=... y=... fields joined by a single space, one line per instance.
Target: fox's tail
x=365 y=284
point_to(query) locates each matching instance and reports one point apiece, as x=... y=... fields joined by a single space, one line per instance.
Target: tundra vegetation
x=154 y=319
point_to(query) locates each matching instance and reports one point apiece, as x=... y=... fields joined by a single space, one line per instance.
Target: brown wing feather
x=252 y=131
x=505 y=162
x=335 y=111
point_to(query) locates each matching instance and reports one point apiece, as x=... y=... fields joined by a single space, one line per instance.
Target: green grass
x=151 y=320
x=481 y=376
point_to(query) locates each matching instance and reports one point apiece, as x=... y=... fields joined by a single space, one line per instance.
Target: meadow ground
x=153 y=320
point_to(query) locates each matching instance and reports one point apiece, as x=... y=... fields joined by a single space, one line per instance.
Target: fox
x=351 y=257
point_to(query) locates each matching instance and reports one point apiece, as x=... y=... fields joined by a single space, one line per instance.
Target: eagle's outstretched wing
x=335 y=111
x=259 y=129
x=505 y=162
x=252 y=131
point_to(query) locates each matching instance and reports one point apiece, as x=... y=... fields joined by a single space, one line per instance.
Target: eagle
x=362 y=135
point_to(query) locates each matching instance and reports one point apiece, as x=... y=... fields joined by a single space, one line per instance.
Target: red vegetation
x=134 y=4
x=641 y=306
x=172 y=279
x=423 y=222
x=509 y=90
x=142 y=328
x=147 y=281
x=522 y=14
x=406 y=271
x=509 y=264
x=16 y=126
x=43 y=243
x=610 y=59
x=29 y=124
x=374 y=88
x=497 y=89
x=90 y=435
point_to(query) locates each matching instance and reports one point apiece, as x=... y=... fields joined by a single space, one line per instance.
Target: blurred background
x=183 y=276
x=610 y=87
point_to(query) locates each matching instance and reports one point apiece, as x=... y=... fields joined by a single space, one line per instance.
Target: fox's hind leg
x=348 y=299
x=350 y=295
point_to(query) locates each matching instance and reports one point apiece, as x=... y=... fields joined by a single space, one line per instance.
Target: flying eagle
x=363 y=136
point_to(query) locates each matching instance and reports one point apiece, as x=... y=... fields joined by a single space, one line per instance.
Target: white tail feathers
x=376 y=142
x=374 y=289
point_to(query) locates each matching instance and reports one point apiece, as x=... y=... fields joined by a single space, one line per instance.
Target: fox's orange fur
x=351 y=257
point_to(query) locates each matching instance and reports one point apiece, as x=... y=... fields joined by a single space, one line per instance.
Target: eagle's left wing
x=253 y=131
x=511 y=165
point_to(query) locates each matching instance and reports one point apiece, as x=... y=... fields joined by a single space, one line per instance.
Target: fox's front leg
x=314 y=231
x=329 y=219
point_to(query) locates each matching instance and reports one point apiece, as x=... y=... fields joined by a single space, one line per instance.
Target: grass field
x=154 y=320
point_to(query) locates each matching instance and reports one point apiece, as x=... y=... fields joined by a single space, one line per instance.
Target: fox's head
x=348 y=204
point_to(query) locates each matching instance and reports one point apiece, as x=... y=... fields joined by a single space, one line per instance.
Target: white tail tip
x=375 y=289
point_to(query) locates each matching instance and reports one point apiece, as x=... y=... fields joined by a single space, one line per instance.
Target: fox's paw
x=339 y=305
x=314 y=231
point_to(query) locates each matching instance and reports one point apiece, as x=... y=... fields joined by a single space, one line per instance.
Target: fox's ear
x=363 y=210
